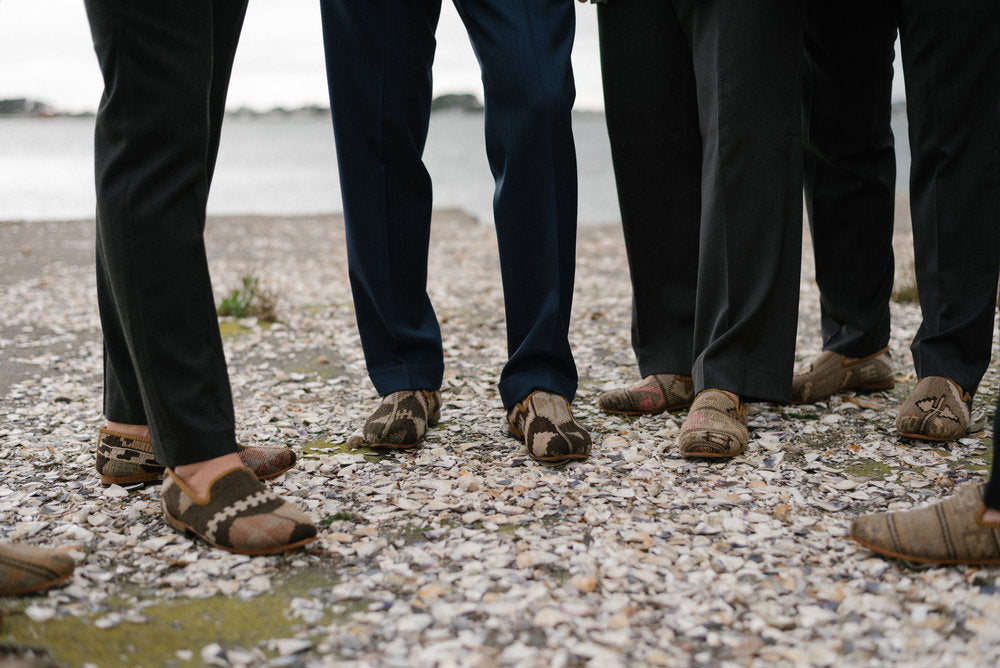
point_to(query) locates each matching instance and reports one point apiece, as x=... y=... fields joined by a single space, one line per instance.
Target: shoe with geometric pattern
x=402 y=419
x=237 y=514
x=832 y=373
x=937 y=410
x=126 y=459
x=947 y=532
x=716 y=426
x=652 y=395
x=544 y=422
x=25 y=569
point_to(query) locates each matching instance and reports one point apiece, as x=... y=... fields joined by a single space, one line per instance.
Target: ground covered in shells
x=464 y=552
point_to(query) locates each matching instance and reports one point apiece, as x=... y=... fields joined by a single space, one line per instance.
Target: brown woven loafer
x=123 y=459
x=831 y=373
x=544 y=422
x=716 y=426
x=947 y=532
x=237 y=514
x=937 y=410
x=402 y=419
x=650 y=396
x=25 y=568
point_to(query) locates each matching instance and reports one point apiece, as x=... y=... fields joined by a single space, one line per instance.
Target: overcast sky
x=46 y=54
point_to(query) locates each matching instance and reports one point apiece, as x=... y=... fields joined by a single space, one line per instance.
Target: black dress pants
x=702 y=105
x=166 y=68
x=951 y=60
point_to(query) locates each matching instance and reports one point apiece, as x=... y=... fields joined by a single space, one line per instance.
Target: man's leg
x=652 y=117
x=850 y=172
x=122 y=397
x=378 y=58
x=154 y=153
x=747 y=58
x=524 y=48
x=850 y=168
x=165 y=363
x=951 y=58
x=378 y=63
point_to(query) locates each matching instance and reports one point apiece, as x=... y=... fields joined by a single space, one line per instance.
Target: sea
x=270 y=163
x=278 y=164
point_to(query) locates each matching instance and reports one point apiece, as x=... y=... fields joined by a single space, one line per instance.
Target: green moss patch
x=316 y=448
x=869 y=468
x=174 y=625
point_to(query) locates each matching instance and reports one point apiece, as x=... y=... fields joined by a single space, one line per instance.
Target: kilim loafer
x=545 y=423
x=716 y=426
x=25 y=568
x=948 y=532
x=831 y=373
x=650 y=396
x=402 y=419
x=124 y=459
x=237 y=514
x=937 y=410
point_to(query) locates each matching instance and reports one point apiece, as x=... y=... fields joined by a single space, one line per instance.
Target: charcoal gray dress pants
x=951 y=62
x=703 y=112
x=166 y=68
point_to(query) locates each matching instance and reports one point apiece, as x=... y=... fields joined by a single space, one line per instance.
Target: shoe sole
x=188 y=531
x=873 y=387
x=713 y=455
x=153 y=477
x=41 y=587
x=394 y=446
x=668 y=409
x=404 y=446
x=519 y=435
x=130 y=479
x=932 y=439
x=925 y=560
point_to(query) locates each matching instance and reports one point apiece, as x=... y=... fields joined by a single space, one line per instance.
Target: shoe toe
x=715 y=427
x=873 y=531
x=267 y=461
x=26 y=568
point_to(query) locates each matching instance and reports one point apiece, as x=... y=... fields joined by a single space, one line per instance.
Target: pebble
x=464 y=551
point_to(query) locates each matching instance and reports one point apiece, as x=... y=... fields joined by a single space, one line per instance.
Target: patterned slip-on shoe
x=832 y=373
x=25 y=568
x=650 y=396
x=716 y=426
x=948 y=532
x=402 y=419
x=545 y=423
x=937 y=410
x=123 y=459
x=237 y=514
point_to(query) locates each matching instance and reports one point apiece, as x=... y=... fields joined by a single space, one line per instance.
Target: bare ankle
x=199 y=475
x=991 y=515
x=130 y=429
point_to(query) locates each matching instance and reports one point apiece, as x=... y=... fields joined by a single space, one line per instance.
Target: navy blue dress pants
x=702 y=106
x=166 y=68
x=378 y=57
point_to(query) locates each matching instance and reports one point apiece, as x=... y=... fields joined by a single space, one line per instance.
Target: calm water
x=286 y=165
x=276 y=165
